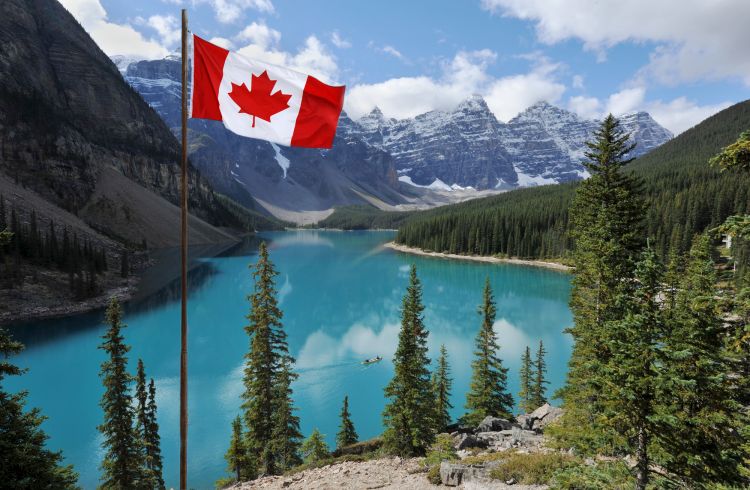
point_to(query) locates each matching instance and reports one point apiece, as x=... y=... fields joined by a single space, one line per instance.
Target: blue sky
x=680 y=60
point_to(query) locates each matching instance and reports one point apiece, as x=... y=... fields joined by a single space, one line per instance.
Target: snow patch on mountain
x=281 y=159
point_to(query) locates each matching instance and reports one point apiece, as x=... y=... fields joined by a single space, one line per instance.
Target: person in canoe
x=372 y=360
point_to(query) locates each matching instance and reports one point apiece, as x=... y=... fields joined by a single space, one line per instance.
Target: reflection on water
x=341 y=295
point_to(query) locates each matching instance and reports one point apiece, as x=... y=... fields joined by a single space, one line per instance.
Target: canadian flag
x=263 y=101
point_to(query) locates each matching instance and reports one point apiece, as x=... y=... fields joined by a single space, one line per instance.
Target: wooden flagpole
x=183 y=246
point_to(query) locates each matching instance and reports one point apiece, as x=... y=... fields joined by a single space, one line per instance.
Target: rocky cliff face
x=385 y=159
x=66 y=115
x=265 y=176
x=470 y=147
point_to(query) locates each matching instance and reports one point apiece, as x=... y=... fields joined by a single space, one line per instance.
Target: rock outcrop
x=67 y=118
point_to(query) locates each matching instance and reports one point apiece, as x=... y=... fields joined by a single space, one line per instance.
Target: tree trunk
x=641 y=456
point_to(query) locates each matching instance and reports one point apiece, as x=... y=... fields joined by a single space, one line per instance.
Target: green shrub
x=433 y=474
x=441 y=450
x=602 y=476
x=531 y=469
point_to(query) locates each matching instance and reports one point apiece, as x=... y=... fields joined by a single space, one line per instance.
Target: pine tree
x=347 y=434
x=699 y=412
x=539 y=389
x=285 y=435
x=147 y=431
x=441 y=387
x=409 y=414
x=526 y=395
x=141 y=423
x=260 y=364
x=153 y=441
x=488 y=394
x=122 y=462
x=25 y=462
x=630 y=377
x=314 y=448
x=236 y=456
x=607 y=227
x=273 y=429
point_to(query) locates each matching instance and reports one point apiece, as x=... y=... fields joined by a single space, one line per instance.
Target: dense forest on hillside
x=685 y=196
x=363 y=217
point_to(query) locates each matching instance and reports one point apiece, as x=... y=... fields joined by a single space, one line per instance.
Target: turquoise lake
x=340 y=293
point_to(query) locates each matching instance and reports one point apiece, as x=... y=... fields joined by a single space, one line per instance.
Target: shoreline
x=478 y=258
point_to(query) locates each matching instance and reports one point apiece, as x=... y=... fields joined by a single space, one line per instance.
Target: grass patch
x=531 y=469
x=601 y=476
x=485 y=458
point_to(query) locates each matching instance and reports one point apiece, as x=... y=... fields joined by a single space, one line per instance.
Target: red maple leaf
x=259 y=101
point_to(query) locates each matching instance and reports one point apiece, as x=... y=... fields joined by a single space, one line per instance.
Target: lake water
x=340 y=293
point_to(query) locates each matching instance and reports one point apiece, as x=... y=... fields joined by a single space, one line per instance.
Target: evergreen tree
x=539 y=390
x=25 y=462
x=285 y=436
x=526 y=395
x=141 y=423
x=236 y=456
x=409 y=414
x=441 y=387
x=147 y=431
x=273 y=429
x=261 y=363
x=153 y=441
x=699 y=416
x=630 y=377
x=347 y=434
x=122 y=462
x=314 y=448
x=606 y=225
x=488 y=393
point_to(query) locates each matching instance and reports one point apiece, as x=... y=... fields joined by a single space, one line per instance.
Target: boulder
x=454 y=474
x=539 y=418
x=545 y=415
x=493 y=424
x=459 y=428
x=468 y=441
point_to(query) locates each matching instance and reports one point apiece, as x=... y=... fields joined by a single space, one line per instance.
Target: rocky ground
x=525 y=434
x=390 y=473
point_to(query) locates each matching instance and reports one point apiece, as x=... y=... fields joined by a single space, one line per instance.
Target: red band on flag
x=208 y=70
x=318 y=114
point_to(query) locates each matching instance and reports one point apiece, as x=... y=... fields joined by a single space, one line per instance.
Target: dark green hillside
x=363 y=217
x=685 y=195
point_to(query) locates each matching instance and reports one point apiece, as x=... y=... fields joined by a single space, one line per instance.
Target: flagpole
x=183 y=246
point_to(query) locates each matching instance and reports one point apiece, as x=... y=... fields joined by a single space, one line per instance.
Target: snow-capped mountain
x=386 y=161
x=469 y=147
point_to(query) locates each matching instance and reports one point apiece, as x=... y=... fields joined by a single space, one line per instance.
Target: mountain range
x=433 y=158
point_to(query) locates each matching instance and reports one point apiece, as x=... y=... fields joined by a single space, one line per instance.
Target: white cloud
x=113 y=38
x=223 y=42
x=393 y=52
x=264 y=44
x=260 y=34
x=339 y=41
x=230 y=11
x=168 y=28
x=697 y=39
x=627 y=100
x=462 y=76
x=510 y=95
x=577 y=81
x=587 y=107
x=676 y=115
x=681 y=114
